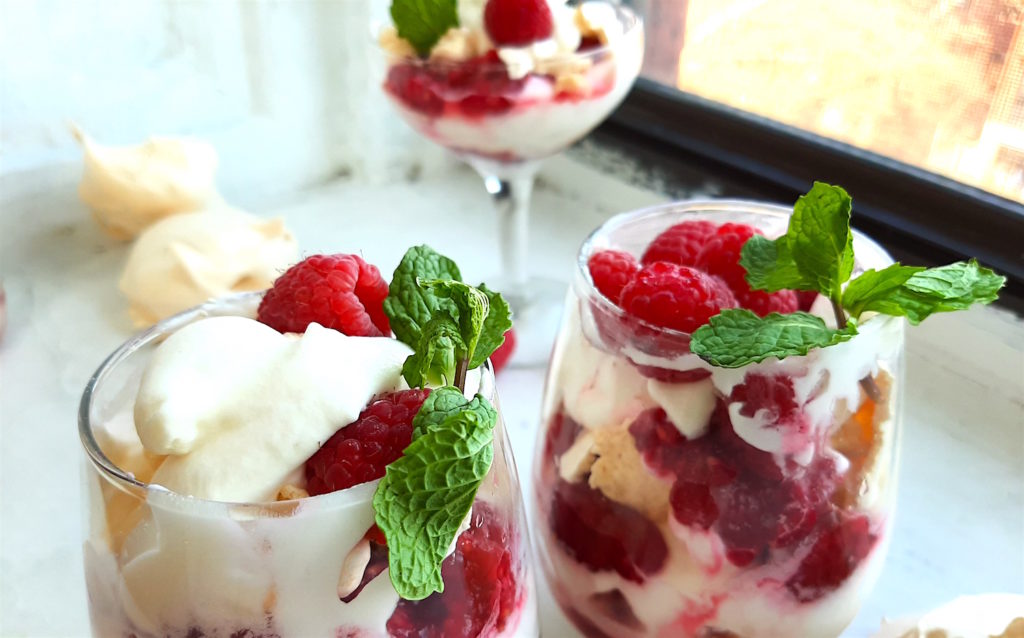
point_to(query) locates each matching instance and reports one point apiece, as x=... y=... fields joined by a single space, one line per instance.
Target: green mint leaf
x=439 y=348
x=875 y=285
x=408 y=306
x=471 y=307
x=770 y=266
x=927 y=291
x=423 y=22
x=427 y=493
x=820 y=240
x=496 y=324
x=738 y=337
x=442 y=403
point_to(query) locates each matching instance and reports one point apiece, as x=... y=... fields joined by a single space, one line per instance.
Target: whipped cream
x=237 y=406
x=130 y=187
x=186 y=259
x=541 y=55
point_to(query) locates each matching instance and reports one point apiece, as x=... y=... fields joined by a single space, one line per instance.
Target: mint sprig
x=738 y=337
x=423 y=22
x=816 y=253
x=426 y=494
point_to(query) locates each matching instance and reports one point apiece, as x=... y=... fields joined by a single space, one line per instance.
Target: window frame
x=919 y=216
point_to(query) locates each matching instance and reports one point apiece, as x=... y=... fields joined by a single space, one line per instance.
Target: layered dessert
x=510 y=80
x=718 y=459
x=267 y=465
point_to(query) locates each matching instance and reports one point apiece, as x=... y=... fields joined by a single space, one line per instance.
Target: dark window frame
x=921 y=217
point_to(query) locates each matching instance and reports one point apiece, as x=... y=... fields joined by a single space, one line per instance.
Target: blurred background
x=289 y=86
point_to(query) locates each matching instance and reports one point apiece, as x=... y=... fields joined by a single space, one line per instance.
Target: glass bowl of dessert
x=506 y=84
x=243 y=479
x=679 y=498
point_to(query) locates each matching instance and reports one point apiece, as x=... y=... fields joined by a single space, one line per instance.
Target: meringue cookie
x=130 y=187
x=979 y=616
x=186 y=259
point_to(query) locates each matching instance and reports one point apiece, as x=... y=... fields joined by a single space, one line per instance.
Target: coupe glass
x=504 y=128
x=162 y=564
x=678 y=499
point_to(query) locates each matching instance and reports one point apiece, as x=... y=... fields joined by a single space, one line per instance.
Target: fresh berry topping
x=680 y=244
x=692 y=504
x=832 y=559
x=360 y=451
x=500 y=357
x=517 y=22
x=805 y=299
x=480 y=588
x=603 y=534
x=611 y=270
x=720 y=256
x=342 y=292
x=676 y=297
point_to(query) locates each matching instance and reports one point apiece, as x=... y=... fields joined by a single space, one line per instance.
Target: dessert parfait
x=721 y=419
x=509 y=80
x=278 y=464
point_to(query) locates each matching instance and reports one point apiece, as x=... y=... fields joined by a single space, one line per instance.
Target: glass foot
x=536 y=314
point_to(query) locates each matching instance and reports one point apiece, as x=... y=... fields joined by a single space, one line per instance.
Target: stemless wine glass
x=678 y=499
x=162 y=564
x=504 y=128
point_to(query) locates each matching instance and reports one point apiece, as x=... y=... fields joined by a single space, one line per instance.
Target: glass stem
x=511 y=199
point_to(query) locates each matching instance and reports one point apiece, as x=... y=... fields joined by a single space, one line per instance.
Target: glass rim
x=630 y=20
x=110 y=470
x=683 y=208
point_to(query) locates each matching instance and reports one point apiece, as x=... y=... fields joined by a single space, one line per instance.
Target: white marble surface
x=959 y=528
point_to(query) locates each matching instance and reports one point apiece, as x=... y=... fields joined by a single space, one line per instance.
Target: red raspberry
x=342 y=292
x=676 y=297
x=693 y=505
x=603 y=534
x=562 y=433
x=720 y=256
x=359 y=452
x=414 y=86
x=667 y=452
x=611 y=270
x=805 y=299
x=480 y=587
x=738 y=452
x=517 y=22
x=504 y=352
x=832 y=559
x=680 y=243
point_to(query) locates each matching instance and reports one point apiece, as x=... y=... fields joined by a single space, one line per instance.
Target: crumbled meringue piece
x=460 y=43
x=597 y=20
x=621 y=474
x=186 y=259
x=130 y=187
x=395 y=45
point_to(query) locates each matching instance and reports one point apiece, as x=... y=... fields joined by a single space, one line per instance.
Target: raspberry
x=676 y=297
x=359 y=452
x=603 y=534
x=668 y=453
x=562 y=432
x=693 y=505
x=504 y=352
x=743 y=455
x=480 y=588
x=611 y=270
x=517 y=22
x=680 y=243
x=342 y=292
x=805 y=299
x=414 y=86
x=832 y=559
x=720 y=256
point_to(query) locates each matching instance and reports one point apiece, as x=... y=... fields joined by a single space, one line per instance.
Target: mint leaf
x=875 y=285
x=770 y=266
x=442 y=403
x=738 y=337
x=820 y=240
x=427 y=493
x=408 y=306
x=471 y=307
x=434 y=358
x=927 y=291
x=496 y=324
x=423 y=22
